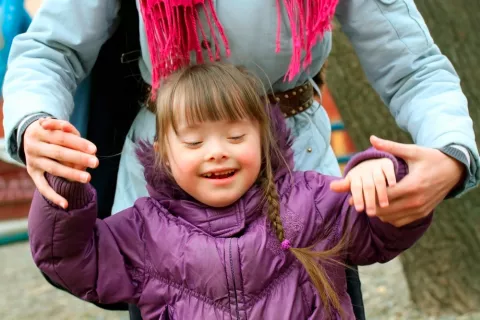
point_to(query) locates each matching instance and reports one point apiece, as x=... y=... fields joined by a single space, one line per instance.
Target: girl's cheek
x=186 y=164
x=250 y=156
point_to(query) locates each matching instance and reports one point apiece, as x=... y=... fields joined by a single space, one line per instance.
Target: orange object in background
x=341 y=142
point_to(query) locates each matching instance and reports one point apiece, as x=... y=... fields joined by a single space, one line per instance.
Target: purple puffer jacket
x=179 y=259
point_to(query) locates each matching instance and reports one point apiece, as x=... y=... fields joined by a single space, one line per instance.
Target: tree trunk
x=443 y=269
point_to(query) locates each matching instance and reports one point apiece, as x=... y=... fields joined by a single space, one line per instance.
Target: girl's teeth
x=223 y=173
x=207 y=175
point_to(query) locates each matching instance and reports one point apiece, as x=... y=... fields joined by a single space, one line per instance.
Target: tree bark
x=443 y=269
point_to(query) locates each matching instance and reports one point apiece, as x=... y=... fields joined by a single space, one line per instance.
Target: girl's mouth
x=219 y=175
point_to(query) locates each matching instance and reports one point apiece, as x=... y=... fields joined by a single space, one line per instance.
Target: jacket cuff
x=399 y=165
x=464 y=156
x=77 y=194
x=16 y=143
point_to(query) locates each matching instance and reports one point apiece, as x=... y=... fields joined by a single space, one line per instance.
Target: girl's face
x=216 y=162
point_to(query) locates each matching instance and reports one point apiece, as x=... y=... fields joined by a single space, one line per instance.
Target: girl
x=229 y=229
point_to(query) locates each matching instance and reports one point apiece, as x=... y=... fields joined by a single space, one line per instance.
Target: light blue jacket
x=417 y=83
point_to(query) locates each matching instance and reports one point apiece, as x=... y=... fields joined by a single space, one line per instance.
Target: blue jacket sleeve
x=414 y=79
x=56 y=53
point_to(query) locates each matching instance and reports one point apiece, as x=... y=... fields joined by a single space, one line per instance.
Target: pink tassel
x=174 y=30
x=308 y=26
x=204 y=38
x=286 y=244
x=220 y=28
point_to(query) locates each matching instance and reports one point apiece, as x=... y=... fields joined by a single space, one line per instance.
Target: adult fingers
x=401 y=150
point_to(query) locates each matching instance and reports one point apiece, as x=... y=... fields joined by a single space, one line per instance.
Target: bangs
x=206 y=93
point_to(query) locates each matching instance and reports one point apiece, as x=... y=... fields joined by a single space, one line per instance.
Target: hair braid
x=273 y=208
x=306 y=256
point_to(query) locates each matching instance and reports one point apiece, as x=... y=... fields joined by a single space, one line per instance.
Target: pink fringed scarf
x=173 y=30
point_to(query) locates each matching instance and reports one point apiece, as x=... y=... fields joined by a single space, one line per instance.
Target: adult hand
x=55 y=146
x=432 y=175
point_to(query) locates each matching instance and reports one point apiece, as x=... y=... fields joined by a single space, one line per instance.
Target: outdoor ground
x=26 y=295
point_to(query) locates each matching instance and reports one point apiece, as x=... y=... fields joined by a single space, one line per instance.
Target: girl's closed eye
x=192 y=144
x=236 y=138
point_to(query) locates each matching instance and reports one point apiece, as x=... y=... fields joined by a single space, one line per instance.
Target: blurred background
x=439 y=278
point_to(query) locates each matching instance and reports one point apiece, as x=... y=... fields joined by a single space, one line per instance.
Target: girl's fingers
x=357 y=193
x=369 y=193
x=389 y=173
x=381 y=187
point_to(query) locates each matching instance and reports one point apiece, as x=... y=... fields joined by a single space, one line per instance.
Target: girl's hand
x=368 y=183
x=55 y=146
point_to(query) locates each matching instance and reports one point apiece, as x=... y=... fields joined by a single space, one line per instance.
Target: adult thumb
x=401 y=150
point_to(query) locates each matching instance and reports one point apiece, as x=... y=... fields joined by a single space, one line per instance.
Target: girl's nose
x=216 y=152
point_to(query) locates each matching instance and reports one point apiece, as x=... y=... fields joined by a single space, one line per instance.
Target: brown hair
x=217 y=91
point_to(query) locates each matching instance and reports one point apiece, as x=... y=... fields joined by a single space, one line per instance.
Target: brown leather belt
x=291 y=102
x=294 y=101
